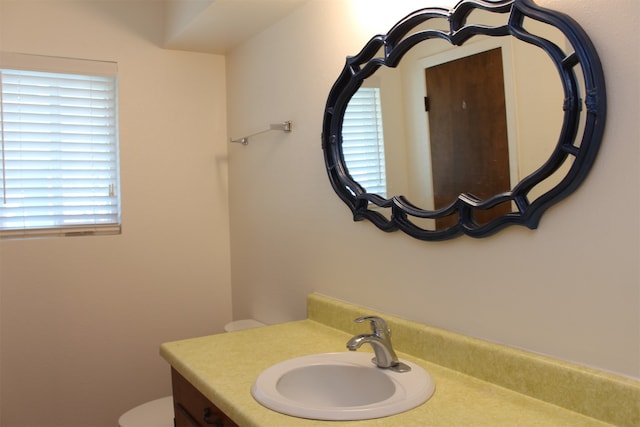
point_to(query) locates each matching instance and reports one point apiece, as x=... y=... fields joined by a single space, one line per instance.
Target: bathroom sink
x=341 y=386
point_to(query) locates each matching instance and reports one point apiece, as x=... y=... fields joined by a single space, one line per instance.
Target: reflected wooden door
x=468 y=132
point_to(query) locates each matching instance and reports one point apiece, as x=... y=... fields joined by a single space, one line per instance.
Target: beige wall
x=569 y=289
x=82 y=318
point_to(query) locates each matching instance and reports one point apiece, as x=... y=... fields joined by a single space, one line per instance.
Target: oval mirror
x=464 y=121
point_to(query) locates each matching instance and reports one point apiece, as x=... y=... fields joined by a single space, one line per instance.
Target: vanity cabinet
x=192 y=408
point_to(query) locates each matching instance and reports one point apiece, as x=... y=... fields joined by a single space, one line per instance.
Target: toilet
x=238 y=325
x=159 y=412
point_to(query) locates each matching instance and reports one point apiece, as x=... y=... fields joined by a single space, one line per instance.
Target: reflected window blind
x=59 y=131
x=362 y=140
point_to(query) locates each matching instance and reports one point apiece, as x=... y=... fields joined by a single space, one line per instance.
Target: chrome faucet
x=380 y=340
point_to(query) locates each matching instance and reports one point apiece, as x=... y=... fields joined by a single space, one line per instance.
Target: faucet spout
x=380 y=340
x=385 y=355
x=354 y=343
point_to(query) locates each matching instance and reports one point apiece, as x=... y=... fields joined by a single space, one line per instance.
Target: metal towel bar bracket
x=285 y=127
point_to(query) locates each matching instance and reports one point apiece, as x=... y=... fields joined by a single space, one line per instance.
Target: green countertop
x=223 y=367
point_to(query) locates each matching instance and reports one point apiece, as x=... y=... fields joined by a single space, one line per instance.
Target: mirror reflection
x=448 y=120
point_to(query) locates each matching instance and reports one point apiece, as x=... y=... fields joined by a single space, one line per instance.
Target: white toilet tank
x=238 y=325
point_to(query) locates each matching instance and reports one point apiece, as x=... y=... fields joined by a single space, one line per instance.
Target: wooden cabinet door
x=192 y=408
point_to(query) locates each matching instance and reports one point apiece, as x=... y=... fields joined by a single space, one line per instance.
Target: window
x=362 y=140
x=59 y=153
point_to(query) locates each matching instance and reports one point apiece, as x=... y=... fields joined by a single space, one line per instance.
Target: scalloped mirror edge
x=582 y=148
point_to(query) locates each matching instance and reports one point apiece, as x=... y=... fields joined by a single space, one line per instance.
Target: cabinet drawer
x=192 y=408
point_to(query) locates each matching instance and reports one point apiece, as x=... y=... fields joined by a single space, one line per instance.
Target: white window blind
x=59 y=153
x=363 y=142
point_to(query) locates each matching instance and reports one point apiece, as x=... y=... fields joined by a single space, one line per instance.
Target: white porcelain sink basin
x=341 y=386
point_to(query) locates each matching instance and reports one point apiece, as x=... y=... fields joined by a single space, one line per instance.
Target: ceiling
x=217 y=26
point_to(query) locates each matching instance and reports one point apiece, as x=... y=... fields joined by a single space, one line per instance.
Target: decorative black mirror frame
x=396 y=43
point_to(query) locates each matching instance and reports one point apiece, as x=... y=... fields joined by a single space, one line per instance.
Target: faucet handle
x=378 y=325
